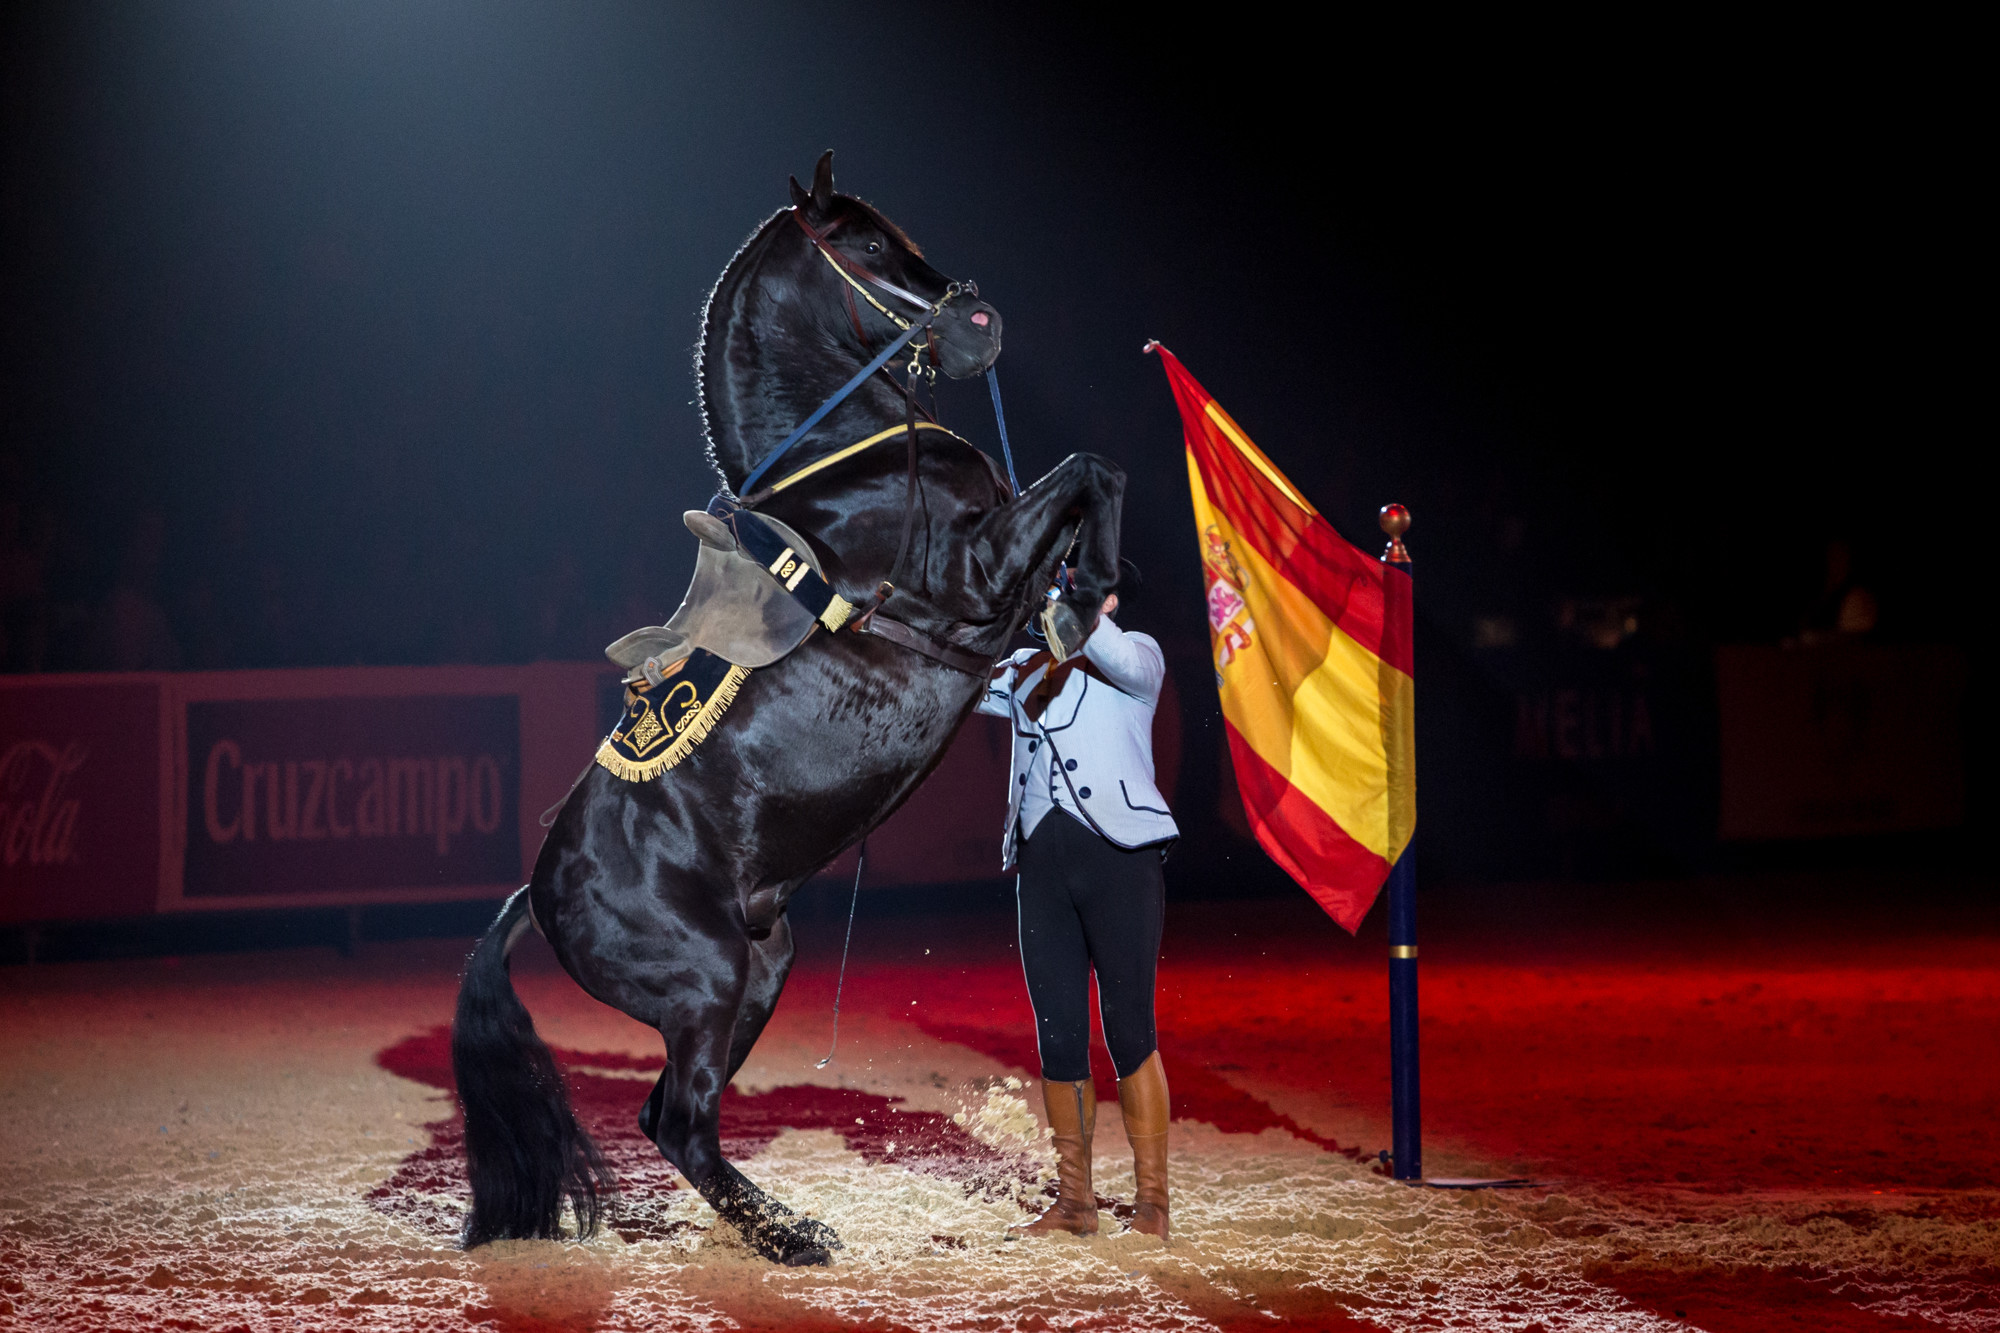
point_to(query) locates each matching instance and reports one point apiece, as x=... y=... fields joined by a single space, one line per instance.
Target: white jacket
x=1099 y=738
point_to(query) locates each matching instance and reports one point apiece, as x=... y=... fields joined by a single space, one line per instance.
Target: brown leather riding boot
x=1142 y=1099
x=1072 y=1111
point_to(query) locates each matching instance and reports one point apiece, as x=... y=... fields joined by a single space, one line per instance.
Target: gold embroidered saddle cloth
x=757 y=593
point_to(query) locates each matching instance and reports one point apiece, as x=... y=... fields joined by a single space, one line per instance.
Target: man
x=1088 y=830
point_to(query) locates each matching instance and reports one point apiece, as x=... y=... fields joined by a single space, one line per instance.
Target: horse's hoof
x=1064 y=629
x=794 y=1240
x=819 y=1233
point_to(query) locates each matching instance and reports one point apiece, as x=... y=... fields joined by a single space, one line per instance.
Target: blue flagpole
x=1405 y=1093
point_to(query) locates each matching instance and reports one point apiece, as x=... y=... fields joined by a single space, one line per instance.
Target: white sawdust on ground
x=192 y=1150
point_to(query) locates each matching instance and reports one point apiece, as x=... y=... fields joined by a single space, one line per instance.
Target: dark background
x=361 y=333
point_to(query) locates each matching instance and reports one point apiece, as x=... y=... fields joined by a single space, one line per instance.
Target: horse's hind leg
x=770 y=964
x=682 y=1116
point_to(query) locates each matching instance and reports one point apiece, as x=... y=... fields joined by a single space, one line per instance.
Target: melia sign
x=310 y=796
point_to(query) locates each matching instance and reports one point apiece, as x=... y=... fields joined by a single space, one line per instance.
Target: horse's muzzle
x=967 y=334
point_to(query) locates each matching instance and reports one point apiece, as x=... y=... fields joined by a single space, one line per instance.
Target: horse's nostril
x=981 y=318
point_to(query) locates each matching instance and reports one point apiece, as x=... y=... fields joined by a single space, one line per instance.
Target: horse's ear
x=822 y=194
x=800 y=199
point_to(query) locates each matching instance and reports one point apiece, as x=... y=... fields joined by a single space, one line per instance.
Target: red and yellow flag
x=1312 y=657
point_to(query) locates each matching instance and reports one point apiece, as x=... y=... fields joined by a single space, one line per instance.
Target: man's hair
x=1131 y=585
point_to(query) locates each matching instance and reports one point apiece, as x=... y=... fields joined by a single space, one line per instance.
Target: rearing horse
x=666 y=898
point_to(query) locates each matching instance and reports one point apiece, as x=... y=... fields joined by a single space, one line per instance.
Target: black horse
x=667 y=898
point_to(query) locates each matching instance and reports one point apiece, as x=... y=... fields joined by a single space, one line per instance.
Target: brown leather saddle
x=742 y=606
x=758 y=591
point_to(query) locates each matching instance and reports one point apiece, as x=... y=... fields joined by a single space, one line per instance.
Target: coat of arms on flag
x=1311 y=642
x=1229 y=620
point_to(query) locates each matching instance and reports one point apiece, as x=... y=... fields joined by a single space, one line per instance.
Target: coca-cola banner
x=310 y=796
x=80 y=797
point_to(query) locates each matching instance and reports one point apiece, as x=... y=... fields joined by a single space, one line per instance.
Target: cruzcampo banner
x=1312 y=658
x=320 y=795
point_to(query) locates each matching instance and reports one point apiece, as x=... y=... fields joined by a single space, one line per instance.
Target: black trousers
x=1085 y=903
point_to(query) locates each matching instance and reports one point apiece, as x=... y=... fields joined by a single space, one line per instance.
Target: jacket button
x=1084 y=792
x=1024 y=779
x=1070 y=765
x=1032 y=745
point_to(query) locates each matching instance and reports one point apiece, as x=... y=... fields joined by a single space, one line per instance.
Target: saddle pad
x=663 y=723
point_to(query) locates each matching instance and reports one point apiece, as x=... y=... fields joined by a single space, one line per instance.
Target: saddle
x=758 y=591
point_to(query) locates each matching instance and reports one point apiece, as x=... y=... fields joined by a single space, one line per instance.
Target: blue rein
x=819 y=413
x=840 y=395
x=1000 y=418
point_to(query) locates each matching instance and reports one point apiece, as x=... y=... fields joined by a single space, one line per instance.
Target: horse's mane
x=708 y=330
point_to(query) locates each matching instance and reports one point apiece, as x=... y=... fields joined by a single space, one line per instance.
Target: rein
x=819 y=413
x=849 y=271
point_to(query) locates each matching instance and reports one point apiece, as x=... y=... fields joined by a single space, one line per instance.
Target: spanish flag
x=1312 y=656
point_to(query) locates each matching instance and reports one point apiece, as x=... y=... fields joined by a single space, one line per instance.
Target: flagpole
x=1405 y=1096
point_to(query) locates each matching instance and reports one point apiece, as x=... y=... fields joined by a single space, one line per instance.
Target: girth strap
x=896 y=632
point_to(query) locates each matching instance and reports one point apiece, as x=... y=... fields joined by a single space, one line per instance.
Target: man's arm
x=997 y=701
x=1132 y=662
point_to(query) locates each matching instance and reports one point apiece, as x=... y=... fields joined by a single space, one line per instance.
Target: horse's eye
x=874 y=247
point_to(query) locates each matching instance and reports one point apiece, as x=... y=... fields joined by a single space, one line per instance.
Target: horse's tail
x=524 y=1150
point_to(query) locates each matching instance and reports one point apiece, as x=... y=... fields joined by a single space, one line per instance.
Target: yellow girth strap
x=851 y=450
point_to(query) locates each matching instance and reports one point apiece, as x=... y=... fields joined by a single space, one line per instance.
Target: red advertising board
x=1840 y=739
x=131 y=794
x=368 y=785
x=315 y=796
x=80 y=798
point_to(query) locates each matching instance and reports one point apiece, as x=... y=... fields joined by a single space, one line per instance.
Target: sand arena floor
x=1728 y=1141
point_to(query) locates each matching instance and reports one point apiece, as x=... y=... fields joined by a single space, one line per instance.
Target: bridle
x=853 y=275
x=856 y=275
x=858 y=279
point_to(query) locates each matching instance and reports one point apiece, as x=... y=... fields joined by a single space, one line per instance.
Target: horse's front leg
x=1071 y=513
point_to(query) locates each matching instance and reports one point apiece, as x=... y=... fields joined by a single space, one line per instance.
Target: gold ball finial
x=1395 y=522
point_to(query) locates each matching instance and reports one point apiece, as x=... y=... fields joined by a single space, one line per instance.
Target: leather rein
x=870 y=620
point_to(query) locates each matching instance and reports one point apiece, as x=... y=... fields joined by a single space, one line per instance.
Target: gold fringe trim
x=697 y=732
x=837 y=612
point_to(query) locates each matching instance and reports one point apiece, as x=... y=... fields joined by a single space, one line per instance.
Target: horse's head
x=870 y=276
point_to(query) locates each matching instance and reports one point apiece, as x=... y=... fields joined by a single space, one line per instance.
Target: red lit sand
x=1755 y=1137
